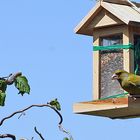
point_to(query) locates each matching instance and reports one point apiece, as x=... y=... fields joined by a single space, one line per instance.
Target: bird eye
x=118 y=73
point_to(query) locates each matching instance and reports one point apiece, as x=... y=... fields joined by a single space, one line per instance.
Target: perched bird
x=128 y=81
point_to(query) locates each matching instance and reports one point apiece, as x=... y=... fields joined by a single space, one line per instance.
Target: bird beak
x=114 y=77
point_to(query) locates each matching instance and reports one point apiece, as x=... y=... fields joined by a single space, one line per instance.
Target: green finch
x=128 y=81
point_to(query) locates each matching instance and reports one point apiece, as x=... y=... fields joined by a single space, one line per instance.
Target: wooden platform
x=120 y=108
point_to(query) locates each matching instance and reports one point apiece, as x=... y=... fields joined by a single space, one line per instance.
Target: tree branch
x=11 y=78
x=65 y=131
x=40 y=135
x=29 y=107
x=8 y=136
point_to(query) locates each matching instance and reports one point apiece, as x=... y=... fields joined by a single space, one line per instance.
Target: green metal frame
x=125 y=94
x=113 y=47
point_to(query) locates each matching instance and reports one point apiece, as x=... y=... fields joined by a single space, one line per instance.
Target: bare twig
x=37 y=105
x=29 y=107
x=8 y=136
x=22 y=114
x=6 y=77
x=11 y=78
x=40 y=135
x=65 y=131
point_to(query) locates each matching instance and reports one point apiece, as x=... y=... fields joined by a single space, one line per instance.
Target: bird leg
x=134 y=98
x=131 y=96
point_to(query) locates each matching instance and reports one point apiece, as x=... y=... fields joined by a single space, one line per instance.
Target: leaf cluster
x=20 y=82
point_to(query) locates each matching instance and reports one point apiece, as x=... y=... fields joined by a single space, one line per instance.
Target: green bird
x=128 y=81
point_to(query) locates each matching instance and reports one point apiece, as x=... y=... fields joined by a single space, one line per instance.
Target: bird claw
x=131 y=96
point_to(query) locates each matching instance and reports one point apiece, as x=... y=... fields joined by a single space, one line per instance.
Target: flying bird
x=128 y=81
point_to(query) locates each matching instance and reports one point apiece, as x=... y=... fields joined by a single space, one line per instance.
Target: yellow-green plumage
x=128 y=81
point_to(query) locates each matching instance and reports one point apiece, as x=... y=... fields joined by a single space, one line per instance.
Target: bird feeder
x=115 y=28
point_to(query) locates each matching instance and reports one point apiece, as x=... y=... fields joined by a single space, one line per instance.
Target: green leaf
x=21 y=83
x=55 y=104
x=3 y=85
x=65 y=138
x=58 y=107
x=2 y=98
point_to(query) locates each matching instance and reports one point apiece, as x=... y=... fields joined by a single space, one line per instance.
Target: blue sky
x=37 y=38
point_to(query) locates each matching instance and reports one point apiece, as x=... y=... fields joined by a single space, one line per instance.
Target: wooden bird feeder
x=115 y=28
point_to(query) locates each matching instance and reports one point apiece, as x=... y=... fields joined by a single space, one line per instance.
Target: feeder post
x=96 y=72
x=128 y=53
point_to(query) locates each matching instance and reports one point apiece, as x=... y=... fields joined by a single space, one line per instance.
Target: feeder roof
x=126 y=12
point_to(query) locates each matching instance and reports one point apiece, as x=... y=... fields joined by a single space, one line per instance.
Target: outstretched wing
x=21 y=83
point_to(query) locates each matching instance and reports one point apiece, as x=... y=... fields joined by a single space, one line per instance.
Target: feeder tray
x=114 y=108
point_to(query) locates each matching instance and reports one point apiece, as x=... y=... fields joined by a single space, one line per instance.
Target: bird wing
x=134 y=80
